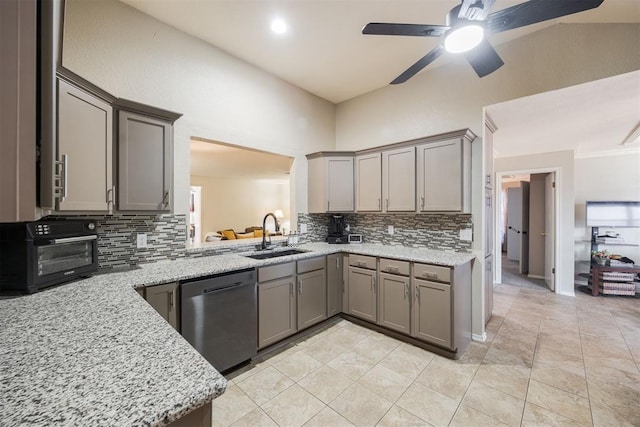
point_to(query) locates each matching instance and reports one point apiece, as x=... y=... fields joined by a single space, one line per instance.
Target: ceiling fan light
x=464 y=38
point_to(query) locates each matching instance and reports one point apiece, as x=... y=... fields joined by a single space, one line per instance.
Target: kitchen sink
x=275 y=254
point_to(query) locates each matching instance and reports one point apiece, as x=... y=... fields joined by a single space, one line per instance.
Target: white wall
x=134 y=56
x=238 y=203
x=451 y=96
x=614 y=178
x=562 y=162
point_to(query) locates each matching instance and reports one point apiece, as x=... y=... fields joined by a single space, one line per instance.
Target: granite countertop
x=93 y=352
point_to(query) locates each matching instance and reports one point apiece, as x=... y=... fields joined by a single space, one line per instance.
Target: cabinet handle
x=387 y=204
x=299 y=286
x=406 y=290
x=63 y=177
x=379 y=203
x=291 y=288
x=422 y=203
x=165 y=199
x=417 y=295
x=111 y=196
x=328 y=205
x=337 y=263
x=393 y=269
x=171 y=296
x=374 y=284
x=430 y=275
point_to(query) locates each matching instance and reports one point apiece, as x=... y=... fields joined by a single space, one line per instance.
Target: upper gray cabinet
x=369 y=182
x=330 y=182
x=399 y=179
x=444 y=176
x=144 y=157
x=83 y=179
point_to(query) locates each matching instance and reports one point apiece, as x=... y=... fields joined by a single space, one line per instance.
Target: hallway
x=511 y=276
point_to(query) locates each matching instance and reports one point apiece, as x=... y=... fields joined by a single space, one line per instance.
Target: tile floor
x=548 y=360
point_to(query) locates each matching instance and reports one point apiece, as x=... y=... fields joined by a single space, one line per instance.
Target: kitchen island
x=93 y=352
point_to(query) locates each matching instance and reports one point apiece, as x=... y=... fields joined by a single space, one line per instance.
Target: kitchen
x=315 y=116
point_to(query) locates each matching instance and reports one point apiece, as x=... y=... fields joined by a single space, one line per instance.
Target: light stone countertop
x=93 y=352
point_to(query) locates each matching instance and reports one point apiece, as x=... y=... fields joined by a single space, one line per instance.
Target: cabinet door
x=395 y=302
x=276 y=310
x=164 y=299
x=399 y=179
x=312 y=298
x=432 y=313
x=441 y=178
x=334 y=284
x=362 y=293
x=144 y=163
x=369 y=182
x=340 y=187
x=84 y=147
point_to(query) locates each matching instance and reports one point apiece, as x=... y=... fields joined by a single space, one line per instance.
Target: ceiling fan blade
x=422 y=62
x=484 y=59
x=386 y=29
x=534 y=11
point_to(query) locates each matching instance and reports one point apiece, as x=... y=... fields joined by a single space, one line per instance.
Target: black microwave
x=35 y=255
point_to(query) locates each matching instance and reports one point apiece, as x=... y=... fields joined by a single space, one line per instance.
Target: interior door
x=549 y=231
x=514 y=222
x=524 y=239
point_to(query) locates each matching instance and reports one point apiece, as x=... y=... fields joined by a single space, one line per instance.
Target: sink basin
x=276 y=254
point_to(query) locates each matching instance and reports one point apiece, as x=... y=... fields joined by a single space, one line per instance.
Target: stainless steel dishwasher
x=219 y=317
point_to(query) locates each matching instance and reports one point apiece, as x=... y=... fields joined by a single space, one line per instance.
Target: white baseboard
x=567 y=294
x=479 y=338
x=535 y=276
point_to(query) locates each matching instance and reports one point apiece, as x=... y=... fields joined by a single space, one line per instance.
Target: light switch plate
x=390 y=230
x=303 y=228
x=141 y=241
x=466 y=235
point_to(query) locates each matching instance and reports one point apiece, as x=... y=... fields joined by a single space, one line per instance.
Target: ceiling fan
x=467 y=25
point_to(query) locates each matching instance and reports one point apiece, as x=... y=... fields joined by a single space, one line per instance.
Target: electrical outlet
x=466 y=235
x=390 y=229
x=141 y=241
x=303 y=228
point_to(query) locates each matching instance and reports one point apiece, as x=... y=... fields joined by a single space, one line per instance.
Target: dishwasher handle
x=224 y=288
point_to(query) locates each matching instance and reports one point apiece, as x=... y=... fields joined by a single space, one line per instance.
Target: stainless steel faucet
x=264 y=231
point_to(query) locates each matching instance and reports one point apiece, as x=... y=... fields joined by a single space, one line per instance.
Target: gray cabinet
x=444 y=176
x=84 y=151
x=330 y=182
x=334 y=284
x=164 y=299
x=394 y=295
x=312 y=292
x=277 y=305
x=362 y=284
x=144 y=162
x=369 y=182
x=432 y=312
x=399 y=179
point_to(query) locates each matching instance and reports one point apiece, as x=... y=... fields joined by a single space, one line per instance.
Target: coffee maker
x=337 y=230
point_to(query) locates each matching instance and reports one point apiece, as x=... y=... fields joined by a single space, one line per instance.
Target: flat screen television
x=613 y=214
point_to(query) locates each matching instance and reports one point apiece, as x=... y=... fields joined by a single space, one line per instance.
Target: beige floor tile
x=328 y=418
x=593 y=363
x=396 y=417
x=376 y=346
x=605 y=373
x=255 y=418
x=360 y=406
x=513 y=380
x=560 y=378
x=497 y=356
x=346 y=336
x=244 y=373
x=385 y=382
x=265 y=385
x=467 y=416
x=231 y=406
x=494 y=403
x=620 y=398
x=324 y=350
x=605 y=348
x=407 y=360
x=559 y=401
x=608 y=416
x=474 y=353
x=447 y=377
x=427 y=404
x=326 y=383
x=351 y=364
x=293 y=407
x=536 y=416
x=297 y=366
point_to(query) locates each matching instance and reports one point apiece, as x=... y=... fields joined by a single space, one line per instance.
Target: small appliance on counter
x=355 y=238
x=35 y=255
x=337 y=230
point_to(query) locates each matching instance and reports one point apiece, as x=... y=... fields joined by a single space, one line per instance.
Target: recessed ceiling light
x=278 y=26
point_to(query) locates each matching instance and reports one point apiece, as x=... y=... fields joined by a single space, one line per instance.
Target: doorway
x=526 y=237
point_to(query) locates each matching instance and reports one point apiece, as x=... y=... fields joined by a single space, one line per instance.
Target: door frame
x=497 y=240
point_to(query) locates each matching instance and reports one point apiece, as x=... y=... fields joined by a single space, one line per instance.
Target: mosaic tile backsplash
x=431 y=231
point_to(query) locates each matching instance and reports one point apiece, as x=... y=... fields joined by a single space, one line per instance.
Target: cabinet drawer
x=311 y=264
x=276 y=271
x=393 y=266
x=362 y=261
x=432 y=272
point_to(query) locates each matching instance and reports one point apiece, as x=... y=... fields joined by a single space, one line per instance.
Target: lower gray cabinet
x=312 y=298
x=394 y=299
x=165 y=300
x=334 y=284
x=362 y=293
x=276 y=310
x=432 y=312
